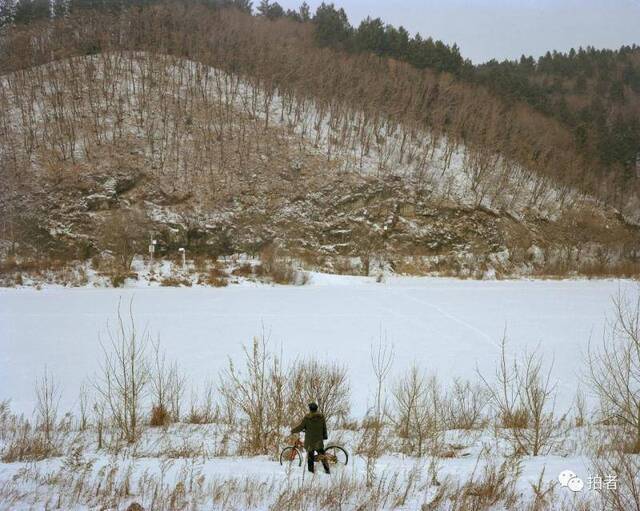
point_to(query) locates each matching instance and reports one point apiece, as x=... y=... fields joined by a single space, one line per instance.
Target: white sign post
x=184 y=257
x=152 y=249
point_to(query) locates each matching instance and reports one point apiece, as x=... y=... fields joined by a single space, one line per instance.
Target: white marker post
x=184 y=257
x=152 y=250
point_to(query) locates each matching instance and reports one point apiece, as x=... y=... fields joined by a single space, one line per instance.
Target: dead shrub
x=175 y=282
x=217 y=278
x=244 y=270
x=624 y=469
x=205 y=412
x=523 y=397
x=27 y=444
x=496 y=485
x=160 y=416
x=465 y=406
x=47 y=401
x=125 y=233
x=117 y=279
x=282 y=273
x=167 y=388
x=614 y=369
x=325 y=383
x=372 y=442
x=254 y=393
x=278 y=269
x=417 y=408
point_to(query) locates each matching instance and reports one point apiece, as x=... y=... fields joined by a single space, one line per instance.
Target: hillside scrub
x=259 y=116
x=261 y=55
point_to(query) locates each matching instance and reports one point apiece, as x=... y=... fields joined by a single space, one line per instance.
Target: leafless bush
x=280 y=269
x=26 y=444
x=124 y=375
x=614 y=369
x=496 y=485
x=99 y=421
x=23 y=441
x=175 y=282
x=624 y=469
x=417 y=412
x=372 y=442
x=523 y=397
x=217 y=278
x=83 y=403
x=579 y=409
x=250 y=393
x=47 y=402
x=166 y=389
x=325 y=383
x=267 y=397
x=125 y=233
x=204 y=411
x=465 y=405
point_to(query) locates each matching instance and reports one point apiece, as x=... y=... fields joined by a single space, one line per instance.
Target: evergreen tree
x=27 y=11
x=332 y=26
x=370 y=36
x=7 y=12
x=269 y=10
x=263 y=8
x=305 y=12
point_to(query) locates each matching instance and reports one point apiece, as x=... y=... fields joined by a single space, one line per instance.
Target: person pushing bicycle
x=314 y=426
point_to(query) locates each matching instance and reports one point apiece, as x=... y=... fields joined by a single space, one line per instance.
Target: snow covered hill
x=218 y=164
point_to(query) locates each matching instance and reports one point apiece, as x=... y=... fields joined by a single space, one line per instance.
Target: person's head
x=313 y=407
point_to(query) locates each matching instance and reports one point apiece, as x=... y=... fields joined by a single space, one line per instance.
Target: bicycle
x=333 y=454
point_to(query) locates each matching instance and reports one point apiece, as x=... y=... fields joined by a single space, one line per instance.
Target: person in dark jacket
x=314 y=426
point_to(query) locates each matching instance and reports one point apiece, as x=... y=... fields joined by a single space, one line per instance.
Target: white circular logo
x=575 y=484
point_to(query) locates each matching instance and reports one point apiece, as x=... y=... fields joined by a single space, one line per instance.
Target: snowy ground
x=447 y=326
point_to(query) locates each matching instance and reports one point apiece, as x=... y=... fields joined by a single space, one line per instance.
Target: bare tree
x=124 y=374
x=83 y=401
x=166 y=388
x=125 y=234
x=614 y=368
x=417 y=412
x=325 y=383
x=372 y=442
x=47 y=402
x=523 y=397
x=624 y=470
x=251 y=393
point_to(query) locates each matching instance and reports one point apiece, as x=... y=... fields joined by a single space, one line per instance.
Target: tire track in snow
x=449 y=316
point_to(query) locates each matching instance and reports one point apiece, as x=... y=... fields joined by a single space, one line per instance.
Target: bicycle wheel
x=290 y=456
x=336 y=455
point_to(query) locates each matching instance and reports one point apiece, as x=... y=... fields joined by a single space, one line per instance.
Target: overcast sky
x=486 y=29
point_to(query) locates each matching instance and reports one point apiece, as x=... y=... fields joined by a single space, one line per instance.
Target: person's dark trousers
x=311 y=458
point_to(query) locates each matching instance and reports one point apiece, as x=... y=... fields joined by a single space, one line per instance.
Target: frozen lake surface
x=446 y=326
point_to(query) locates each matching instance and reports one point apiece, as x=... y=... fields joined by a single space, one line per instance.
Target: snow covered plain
x=448 y=327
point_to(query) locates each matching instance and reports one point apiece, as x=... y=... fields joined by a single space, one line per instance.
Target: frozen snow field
x=446 y=326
